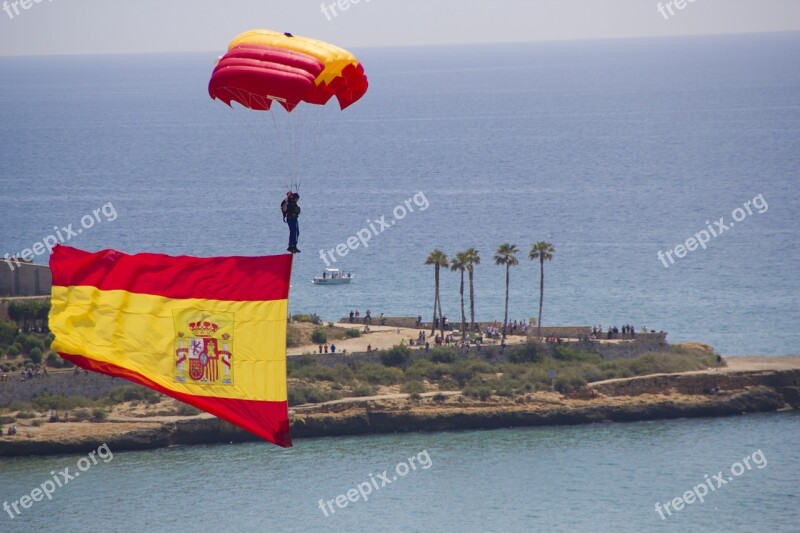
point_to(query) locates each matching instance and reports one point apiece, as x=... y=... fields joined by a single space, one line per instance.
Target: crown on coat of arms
x=203 y=329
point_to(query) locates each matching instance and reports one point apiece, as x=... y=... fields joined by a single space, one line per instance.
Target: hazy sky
x=124 y=26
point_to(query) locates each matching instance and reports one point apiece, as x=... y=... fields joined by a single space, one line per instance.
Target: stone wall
x=628 y=349
x=24 y=279
x=411 y=322
x=91 y=385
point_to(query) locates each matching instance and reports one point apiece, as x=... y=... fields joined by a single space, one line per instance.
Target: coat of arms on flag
x=203 y=347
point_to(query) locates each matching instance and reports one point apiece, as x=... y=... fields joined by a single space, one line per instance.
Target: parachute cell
x=263 y=66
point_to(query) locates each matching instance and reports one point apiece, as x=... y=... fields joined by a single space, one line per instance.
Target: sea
x=663 y=171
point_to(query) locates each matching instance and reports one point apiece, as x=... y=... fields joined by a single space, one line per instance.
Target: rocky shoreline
x=659 y=397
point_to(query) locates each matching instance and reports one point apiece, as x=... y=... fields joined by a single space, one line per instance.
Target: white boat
x=333 y=276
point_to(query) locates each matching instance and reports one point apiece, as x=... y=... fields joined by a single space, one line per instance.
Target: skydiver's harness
x=289 y=209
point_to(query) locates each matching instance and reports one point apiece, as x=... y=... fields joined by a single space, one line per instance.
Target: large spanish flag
x=210 y=332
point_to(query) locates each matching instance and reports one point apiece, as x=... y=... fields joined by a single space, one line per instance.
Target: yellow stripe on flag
x=138 y=332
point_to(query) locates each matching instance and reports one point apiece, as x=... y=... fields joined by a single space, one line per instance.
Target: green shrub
x=352 y=333
x=36 y=356
x=569 y=383
x=365 y=389
x=564 y=353
x=420 y=369
x=443 y=354
x=98 y=415
x=310 y=394
x=32 y=342
x=26 y=415
x=479 y=366
x=505 y=391
x=184 y=409
x=439 y=397
x=46 y=401
x=379 y=374
x=396 y=356
x=312 y=318
x=415 y=396
x=81 y=414
x=8 y=330
x=319 y=336
x=527 y=353
x=448 y=384
x=413 y=387
x=305 y=359
x=461 y=374
x=463 y=371
x=296 y=396
x=293 y=337
x=130 y=393
x=482 y=392
x=36 y=423
x=13 y=351
x=316 y=372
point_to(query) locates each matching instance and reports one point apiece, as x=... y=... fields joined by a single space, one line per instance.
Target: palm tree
x=542 y=251
x=506 y=255
x=438 y=259
x=472 y=258
x=459 y=262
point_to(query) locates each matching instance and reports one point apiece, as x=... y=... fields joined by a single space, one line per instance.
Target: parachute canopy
x=262 y=66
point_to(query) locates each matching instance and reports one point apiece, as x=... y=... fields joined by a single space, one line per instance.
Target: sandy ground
x=381 y=338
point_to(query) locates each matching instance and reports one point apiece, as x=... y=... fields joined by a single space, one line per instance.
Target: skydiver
x=291 y=215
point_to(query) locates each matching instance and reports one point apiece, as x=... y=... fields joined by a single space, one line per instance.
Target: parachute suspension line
x=283 y=143
x=259 y=136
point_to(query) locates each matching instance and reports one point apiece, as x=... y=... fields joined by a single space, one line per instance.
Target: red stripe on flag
x=211 y=278
x=268 y=420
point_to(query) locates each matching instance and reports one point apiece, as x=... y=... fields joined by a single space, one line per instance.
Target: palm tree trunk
x=541 y=296
x=441 y=315
x=463 y=315
x=505 y=321
x=435 y=297
x=471 y=303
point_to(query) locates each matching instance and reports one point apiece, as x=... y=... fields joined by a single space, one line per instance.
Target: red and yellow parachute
x=262 y=66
